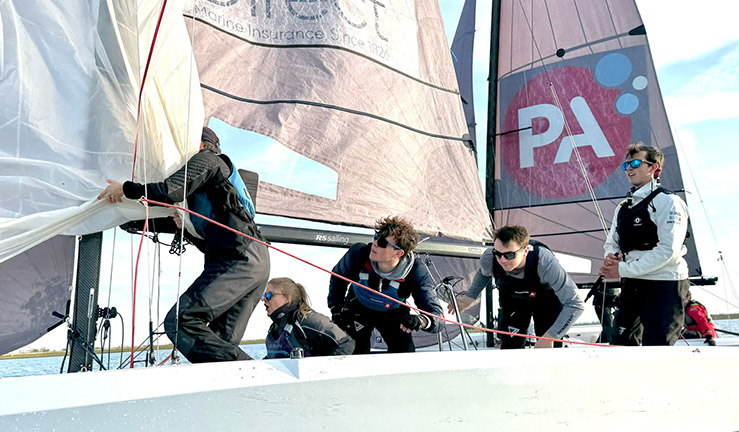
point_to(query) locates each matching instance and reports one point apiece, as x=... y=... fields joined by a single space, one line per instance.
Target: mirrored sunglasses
x=383 y=243
x=635 y=163
x=269 y=295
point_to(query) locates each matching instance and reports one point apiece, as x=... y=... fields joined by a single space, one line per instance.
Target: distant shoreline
x=38 y=353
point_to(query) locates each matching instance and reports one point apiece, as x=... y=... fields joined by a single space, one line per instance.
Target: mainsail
x=576 y=85
x=366 y=89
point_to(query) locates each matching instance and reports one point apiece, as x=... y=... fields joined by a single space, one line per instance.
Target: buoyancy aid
x=526 y=288
x=281 y=345
x=689 y=321
x=201 y=204
x=636 y=230
x=391 y=288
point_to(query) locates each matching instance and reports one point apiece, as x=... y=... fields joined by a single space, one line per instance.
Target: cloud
x=681 y=29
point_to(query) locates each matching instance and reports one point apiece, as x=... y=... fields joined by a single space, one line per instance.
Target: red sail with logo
x=576 y=86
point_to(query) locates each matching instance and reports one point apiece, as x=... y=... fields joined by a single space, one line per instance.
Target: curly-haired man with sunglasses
x=531 y=284
x=645 y=248
x=387 y=265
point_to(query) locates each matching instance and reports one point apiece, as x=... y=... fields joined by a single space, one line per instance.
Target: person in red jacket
x=698 y=322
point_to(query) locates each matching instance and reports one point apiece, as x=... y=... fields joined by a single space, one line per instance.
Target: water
x=50 y=365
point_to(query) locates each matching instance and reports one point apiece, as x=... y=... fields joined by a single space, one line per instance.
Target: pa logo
x=545 y=139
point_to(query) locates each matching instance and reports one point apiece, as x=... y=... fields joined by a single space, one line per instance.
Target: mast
x=83 y=332
x=490 y=159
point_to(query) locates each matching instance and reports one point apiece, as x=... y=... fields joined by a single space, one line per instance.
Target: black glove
x=414 y=322
x=709 y=340
x=342 y=317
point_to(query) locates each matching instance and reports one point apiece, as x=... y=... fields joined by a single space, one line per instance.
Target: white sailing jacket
x=665 y=261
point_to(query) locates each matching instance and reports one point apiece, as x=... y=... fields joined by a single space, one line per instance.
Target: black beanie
x=210 y=136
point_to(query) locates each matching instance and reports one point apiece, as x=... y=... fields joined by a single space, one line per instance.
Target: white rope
x=187 y=152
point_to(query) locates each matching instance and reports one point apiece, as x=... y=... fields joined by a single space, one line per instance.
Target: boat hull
x=563 y=389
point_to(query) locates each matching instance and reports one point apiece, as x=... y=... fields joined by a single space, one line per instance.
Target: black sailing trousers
x=516 y=313
x=650 y=312
x=386 y=322
x=215 y=309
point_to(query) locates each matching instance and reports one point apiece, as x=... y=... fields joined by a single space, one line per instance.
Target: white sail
x=68 y=121
x=71 y=77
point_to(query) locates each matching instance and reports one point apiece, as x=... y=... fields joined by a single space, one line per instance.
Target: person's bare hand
x=463 y=302
x=113 y=192
x=178 y=218
x=544 y=343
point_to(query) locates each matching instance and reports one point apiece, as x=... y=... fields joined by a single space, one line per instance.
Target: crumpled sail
x=70 y=79
x=574 y=72
x=366 y=89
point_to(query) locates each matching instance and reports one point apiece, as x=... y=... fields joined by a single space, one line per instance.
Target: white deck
x=524 y=390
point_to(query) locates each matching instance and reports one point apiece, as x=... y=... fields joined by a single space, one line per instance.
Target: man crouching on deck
x=531 y=283
x=389 y=266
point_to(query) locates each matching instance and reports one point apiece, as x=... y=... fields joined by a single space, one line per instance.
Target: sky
x=696 y=53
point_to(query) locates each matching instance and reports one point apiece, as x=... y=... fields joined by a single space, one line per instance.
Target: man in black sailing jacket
x=645 y=248
x=531 y=284
x=215 y=309
x=389 y=266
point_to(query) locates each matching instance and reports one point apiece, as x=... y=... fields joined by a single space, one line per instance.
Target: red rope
x=165 y=360
x=145 y=200
x=141 y=90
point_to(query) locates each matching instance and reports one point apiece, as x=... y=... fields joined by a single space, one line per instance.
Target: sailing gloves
x=342 y=317
x=415 y=322
x=709 y=340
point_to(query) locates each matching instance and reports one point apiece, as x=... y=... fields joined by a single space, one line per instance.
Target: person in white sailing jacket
x=387 y=265
x=531 y=284
x=645 y=248
x=215 y=309
x=295 y=325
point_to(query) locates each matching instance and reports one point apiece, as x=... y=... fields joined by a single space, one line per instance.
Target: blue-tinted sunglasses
x=269 y=295
x=635 y=163
x=383 y=243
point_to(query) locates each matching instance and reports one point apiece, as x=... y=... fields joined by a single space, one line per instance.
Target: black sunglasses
x=507 y=255
x=635 y=163
x=383 y=243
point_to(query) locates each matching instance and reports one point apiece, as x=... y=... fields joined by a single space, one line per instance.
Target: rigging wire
x=184 y=194
x=581 y=163
x=724 y=269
